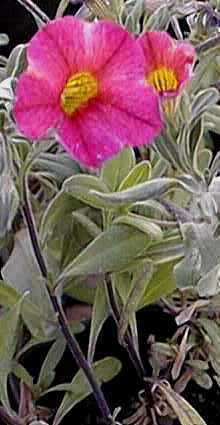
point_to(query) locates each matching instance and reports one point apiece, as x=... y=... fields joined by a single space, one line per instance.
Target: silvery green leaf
x=116 y=170
x=4 y=40
x=141 y=223
x=203 y=101
x=6 y=92
x=40 y=17
x=212 y=330
x=100 y=313
x=54 y=356
x=9 y=202
x=79 y=388
x=159 y=20
x=215 y=166
x=140 y=281
x=202 y=256
x=161 y=284
x=17 y=61
x=9 y=297
x=152 y=189
x=212 y=119
x=9 y=322
x=22 y=272
x=169 y=249
x=61 y=166
x=209 y=284
x=101 y=9
x=139 y=174
x=168 y=148
x=113 y=250
x=132 y=22
x=61 y=8
x=81 y=186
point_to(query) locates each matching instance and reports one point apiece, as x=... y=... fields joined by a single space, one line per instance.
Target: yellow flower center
x=163 y=79
x=78 y=91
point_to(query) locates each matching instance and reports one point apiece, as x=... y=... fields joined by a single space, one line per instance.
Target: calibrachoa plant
x=109 y=203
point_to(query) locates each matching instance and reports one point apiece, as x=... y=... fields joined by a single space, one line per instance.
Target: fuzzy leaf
x=80 y=187
x=116 y=170
x=9 y=322
x=139 y=174
x=161 y=284
x=152 y=189
x=111 y=251
x=100 y=312
x=79 y=389
x=47 y=372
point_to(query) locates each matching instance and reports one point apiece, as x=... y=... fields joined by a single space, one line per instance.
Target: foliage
x=142 y=230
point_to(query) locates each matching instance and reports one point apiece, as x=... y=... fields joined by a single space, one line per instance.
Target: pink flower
x=86 y=82
x=168 y=63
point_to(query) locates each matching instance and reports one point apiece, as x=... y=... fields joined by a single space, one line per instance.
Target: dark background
x=19 y=24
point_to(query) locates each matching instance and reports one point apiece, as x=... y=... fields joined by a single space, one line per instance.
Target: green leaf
x=47 y=372
x=203 y=101
x=139 y=282
x=213 y=331
x=23 y=273
x=9 y=202
x=60 y=207
x=115 y=170
x=100 y=313
x=143 y=224
x=113 y=250
x=167 y=250
x=152 y=189
x=139 y=174
x=60 y=166
x=161 y=284
x=104 y=370
x=80 y=187
x=9 y=297
x=4 y=40
x=22 y=374
x=17 y=61
x=9 y=322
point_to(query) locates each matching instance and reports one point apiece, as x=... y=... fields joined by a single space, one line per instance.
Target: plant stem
x=37 y=13
x=64 y=325
x=6 y=419
x=127 y=339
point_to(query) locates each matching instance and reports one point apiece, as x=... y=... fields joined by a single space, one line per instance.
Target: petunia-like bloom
x=168 y=63
x=86 y=81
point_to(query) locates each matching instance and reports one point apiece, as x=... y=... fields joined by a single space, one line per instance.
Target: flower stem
x=64 y=325
x=35 y=11
x=135 y=358
x=6 y=419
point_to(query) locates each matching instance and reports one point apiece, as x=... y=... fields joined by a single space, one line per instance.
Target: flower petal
x=102 y=130
x=183 y=60
x=135 y=113
x=36 y=110
x=158 y=48
x=50 y=48
x=88 y=140
x=108 y=44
